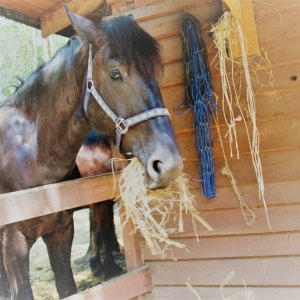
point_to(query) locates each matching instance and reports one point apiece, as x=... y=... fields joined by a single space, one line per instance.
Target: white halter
x=122 y=125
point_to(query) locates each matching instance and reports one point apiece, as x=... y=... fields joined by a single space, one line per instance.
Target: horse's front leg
x=103 y=233
x=95 y=241
x=59 y=243
x=16 y=249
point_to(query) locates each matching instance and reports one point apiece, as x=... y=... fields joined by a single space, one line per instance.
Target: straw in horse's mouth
x=150 y=210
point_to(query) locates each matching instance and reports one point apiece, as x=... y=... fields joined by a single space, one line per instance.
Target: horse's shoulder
x=17 y=135
x=13 y=121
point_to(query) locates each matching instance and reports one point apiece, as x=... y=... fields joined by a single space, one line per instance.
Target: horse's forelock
x=133 y=45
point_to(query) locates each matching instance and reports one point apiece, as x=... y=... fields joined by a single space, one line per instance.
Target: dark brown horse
x=45 y=122
x=93 y=159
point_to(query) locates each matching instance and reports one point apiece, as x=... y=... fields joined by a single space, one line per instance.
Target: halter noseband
x=122 y=125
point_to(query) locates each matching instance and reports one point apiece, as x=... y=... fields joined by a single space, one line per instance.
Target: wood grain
x=214 y=293
x=232 y=247
x=226 y=222
x=123 y=287
x=278 y=271
x=26 y=204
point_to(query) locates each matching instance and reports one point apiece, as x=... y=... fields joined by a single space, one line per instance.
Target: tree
x=22 y=51
x=18 y=49
x=1 y=81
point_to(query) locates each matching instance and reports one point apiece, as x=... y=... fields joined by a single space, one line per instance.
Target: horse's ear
x=85 y=29
x=130 y=16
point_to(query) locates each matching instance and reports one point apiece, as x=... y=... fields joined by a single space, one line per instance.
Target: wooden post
x=132 y=247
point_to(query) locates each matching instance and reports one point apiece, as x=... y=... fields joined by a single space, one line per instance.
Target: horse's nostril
x=156 y=166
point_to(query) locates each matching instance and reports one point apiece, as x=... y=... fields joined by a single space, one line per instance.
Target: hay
x=193 y=290
x=248 y=294
x=227 y=35
x=248 y=214
x=150 y=210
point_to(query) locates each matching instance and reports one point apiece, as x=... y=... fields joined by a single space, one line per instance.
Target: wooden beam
x=247 y=22
x=47 y=199
x=235 y=8
x=56 y=18
x=123 y=287
x=19 y=17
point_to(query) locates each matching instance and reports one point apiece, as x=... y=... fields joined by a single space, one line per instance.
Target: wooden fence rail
x=52 y=198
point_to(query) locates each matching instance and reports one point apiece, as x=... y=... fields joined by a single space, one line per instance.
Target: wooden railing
x=35 y=202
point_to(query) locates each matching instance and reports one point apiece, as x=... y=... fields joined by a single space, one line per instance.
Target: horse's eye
x=115 y=75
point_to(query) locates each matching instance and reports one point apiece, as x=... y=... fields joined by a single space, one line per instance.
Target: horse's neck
x=56 y=99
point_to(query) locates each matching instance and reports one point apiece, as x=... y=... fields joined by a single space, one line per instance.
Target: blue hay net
x=199 y=95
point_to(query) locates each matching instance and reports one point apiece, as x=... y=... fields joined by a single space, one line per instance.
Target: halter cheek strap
x=122 y=125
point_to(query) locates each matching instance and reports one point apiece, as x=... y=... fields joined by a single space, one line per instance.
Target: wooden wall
x=266 y=259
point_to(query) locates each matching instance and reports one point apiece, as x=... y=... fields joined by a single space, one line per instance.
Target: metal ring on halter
x=121 y=125
x=89 y=85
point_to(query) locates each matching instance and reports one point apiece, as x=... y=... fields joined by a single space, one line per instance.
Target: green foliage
x=31 y=48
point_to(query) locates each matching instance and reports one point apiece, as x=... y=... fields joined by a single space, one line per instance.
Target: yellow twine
x=227 y=33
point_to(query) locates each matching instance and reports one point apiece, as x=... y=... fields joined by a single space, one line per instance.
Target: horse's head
x=126 y=64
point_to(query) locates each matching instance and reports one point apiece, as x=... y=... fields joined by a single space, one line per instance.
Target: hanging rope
x=199 y=95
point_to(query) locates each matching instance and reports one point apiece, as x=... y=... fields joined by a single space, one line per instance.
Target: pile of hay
x=150 y=210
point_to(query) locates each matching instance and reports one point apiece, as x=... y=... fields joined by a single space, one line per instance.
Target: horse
x=94 y=158
x=107 y=76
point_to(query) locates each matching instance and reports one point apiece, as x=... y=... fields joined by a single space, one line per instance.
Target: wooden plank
x=235 y=8
x=277 y=51
x=278 y=55
x=182 y=124
x=231 y=247
x=283 y=219
x=206 y=14
x=166 y=8
x=123 y=287
x=171 y=48
x=56 y=18
x=271 y=6
x=281 y=106
x=246 y=21
x=282 y=74
x=276 y=193
x=172 y=95
x=22 y=7
x=279 y=271
x=133 y=251
x=37 y=4
x=30 y=203
x=131 y=244
x=278 y=25
x=138 y=3
x=276 y=166
x=173 y=73
x=278 y=104
x=19 y=17
x=277 y=133
x=214 y=293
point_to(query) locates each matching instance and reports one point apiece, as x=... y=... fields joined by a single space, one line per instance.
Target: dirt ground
x=41 y=275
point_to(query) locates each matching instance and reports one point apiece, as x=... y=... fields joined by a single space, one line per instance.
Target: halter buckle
x=89 y=85
x=121 y=125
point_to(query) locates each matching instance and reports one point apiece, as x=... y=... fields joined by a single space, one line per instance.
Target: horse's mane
x=133 y=45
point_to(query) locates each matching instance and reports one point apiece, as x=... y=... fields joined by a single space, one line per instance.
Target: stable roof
x=49 y=15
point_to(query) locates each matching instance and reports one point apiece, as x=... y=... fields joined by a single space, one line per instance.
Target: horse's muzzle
x=163 y=166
